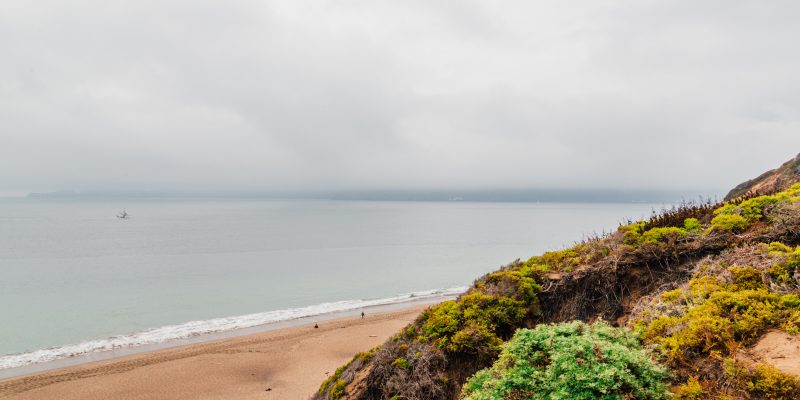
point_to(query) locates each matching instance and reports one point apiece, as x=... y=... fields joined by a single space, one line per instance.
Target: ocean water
x=76 y=279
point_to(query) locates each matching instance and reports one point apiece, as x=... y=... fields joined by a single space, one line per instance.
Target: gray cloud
x=298 y=95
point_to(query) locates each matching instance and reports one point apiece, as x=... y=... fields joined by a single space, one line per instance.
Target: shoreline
x=76 y=358
x=120 y=352
x=290 y=361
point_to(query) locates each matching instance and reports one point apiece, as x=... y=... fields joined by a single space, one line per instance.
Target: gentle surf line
x=215 y=325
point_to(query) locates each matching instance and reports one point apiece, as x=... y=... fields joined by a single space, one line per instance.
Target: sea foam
x=196 y=328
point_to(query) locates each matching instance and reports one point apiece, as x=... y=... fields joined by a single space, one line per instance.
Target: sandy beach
x=281 y=364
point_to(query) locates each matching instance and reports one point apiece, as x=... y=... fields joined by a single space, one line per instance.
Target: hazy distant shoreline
x=473 y=195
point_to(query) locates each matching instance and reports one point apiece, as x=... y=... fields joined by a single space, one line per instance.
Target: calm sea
x=75 y=279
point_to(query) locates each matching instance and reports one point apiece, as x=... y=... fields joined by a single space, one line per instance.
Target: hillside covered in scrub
x=770 y=181
x=699 y=302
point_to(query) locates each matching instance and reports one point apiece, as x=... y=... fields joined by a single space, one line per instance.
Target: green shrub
x=794 y=190
x=737 y=217
x=746 y=278
x=570 y=361
x=753 y=209
x=727 y=209
x=337 y=390
x=778 y=248
x=561 y=260
x=478 y=322
x=400 y=363
x=730 y=222
x=671 y=296
x=410 y=332
x=633 y=232
x=750 y=210
x=692 y=225
x=769 y=383
x=469 y=325
x=366 y=356
x=656 y=235
x=783 y=272
x=691 y=390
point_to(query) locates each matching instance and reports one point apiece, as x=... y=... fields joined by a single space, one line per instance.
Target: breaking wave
x=196 y=328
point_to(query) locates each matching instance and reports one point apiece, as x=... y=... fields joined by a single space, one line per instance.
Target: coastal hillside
x=769 y=182
x=698 y=302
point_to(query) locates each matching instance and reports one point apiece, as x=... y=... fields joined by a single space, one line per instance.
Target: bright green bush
x=745 y=278
x=691 y=390
x=794 y=190
x=573 y=361
x=753 y=209
x=730 y=222
x=561 y=260
x=469 y=325
x=692 y=225
x=727 y=209
x=737 y=217
x=478 y=322
x=657 y=235
x=671 y=296
x=633 y=232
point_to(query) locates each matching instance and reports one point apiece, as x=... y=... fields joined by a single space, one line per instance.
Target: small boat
x=123 y=215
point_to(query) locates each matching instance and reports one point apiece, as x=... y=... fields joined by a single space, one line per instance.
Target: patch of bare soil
x=778 y=349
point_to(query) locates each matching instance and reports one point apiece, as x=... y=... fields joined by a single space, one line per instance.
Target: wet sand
x=287 y=363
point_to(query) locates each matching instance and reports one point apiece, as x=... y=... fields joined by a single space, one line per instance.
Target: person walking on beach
x=362 y=315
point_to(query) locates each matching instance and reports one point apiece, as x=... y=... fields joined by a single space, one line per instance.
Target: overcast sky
x=298 y=94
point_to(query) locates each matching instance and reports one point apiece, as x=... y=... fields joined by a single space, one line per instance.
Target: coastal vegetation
x=692 y=289
x=707 y=323
x=570 y=361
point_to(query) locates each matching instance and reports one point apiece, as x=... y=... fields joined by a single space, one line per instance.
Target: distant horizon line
x=467 y=195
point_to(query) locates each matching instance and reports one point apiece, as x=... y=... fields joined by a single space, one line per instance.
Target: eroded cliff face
x=769 y=182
